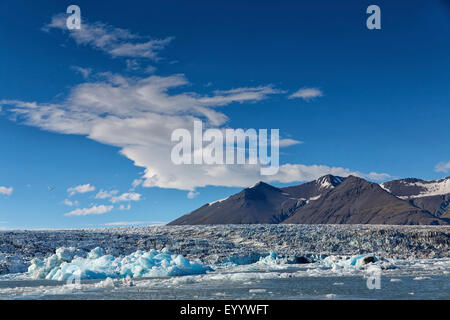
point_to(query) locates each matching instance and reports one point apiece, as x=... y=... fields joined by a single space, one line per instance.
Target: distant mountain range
x=332 y=200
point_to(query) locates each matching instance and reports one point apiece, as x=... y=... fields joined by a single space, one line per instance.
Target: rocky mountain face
x=261 y=203
x=357 y=201
x=331 y=200
x=432 y=196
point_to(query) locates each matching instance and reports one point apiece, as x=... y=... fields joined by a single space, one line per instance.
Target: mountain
x=433 y=195
x=261 y=203
x=357 y=201
x=327 y=200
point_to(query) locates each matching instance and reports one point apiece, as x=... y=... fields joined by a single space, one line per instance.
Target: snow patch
x=217 y=201
x=385 y=188
x=434 y=188
x=325 y=184
x=313 y=198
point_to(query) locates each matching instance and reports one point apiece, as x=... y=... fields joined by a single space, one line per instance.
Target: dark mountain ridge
x=357 y=201
x=329 y=200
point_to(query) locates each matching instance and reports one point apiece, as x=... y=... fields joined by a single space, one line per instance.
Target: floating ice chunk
x=257 y=290
x=271 y=259
x=127 y=282
x=96 y=253
x=347 y=263
x=65 y=254
x=108 y=283
x=98 y=265
x=238 y=260
x=363 y=259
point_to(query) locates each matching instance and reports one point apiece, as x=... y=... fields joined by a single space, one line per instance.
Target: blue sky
x=69 y=115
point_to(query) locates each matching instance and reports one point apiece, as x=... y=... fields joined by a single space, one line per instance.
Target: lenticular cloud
x=138 y=115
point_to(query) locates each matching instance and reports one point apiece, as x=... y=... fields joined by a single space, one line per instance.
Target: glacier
x=236 y=244
x=225 y=262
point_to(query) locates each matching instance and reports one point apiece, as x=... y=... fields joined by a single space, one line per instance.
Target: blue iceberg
x=70 y=263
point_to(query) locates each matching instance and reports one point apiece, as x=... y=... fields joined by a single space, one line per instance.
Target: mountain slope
x=357 y=201
x=327 y=200
x=261 y=203
x=433 y=195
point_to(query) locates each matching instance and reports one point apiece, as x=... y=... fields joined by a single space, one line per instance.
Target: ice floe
x=71 y=263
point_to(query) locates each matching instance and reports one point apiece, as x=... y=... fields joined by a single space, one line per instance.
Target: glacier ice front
x=72 y=263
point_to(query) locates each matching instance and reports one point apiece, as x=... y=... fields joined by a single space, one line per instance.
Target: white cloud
x=298 y=172
x=102 y=194
x=101 y=209
x=307 y=94
x=132 y=64
x=288 y=142
x=128 y=196
x=136 y=183
x=123 y=207
x=80 y=189
x=70 y=203
x=6 y=191
x=150 y=69
x=376 y=176
x=192 y=194
x=241 y=95
x=85 y=72
x=442 y=167
x=138 y=115
x=116 y=42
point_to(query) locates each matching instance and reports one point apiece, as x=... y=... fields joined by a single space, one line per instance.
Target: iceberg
x=272 y=259
x=347 y=263
x=70 y=263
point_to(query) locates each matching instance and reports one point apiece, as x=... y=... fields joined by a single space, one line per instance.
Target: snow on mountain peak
x=217 y=201
x=415 y=188
x=329 y=181
x=432 y=188
x=383 y=186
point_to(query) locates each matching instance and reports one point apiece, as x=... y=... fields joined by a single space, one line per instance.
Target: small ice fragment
x=257 y=290
x=96 y=253
x=108 y=283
